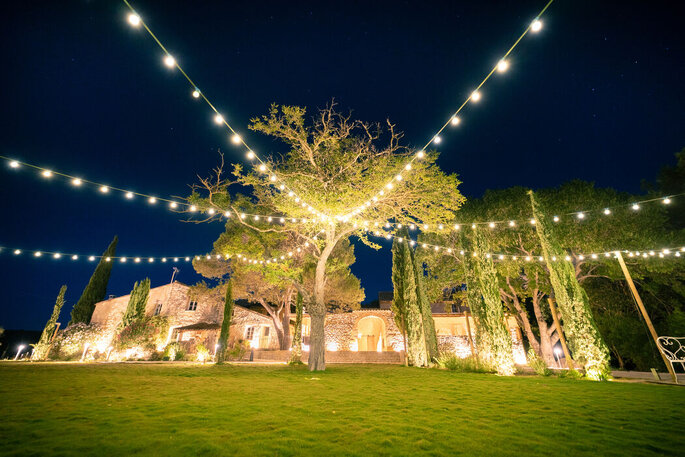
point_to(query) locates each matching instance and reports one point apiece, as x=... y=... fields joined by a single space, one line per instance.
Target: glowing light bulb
x=491 y=225
x=502 y=66
x=581 y=215
x=607 y=211
x=76 y=182
x=104 y=189
x=122 y=260
x=594 y=256
x=137 y=260
x=536 y=25
x=236 y=139
x=152 y=200
x=437 y=139
x=262 y=167
x=457 y=227
x=193 y=208
x=473 y=226
x=408 y=167
x=272 y=178
x=455 y=120
x=74 y=257
x=555 y=218
x=47 y=174
x=398 y=177
x=196 y=93
x=14 y=164
x=635 y=207
x=169 y=61
x=420 y=154
x=211 y=211
x=389 y=185
x=227 y=214
x=218 y=119
x=129 y=195
x=425 y=226
x=532 y=221
x=512 y=223
x=666 y=201
x=475 y=96
x=91 y=258
x=173 y=205
x=56 y=255
x=282 y=186
x=17 y=251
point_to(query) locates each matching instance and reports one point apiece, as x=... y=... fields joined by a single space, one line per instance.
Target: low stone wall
x=390 y=357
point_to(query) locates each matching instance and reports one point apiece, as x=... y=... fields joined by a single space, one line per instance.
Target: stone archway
x=371 y=335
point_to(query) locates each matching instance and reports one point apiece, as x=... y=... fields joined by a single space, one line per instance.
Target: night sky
x=598 y=94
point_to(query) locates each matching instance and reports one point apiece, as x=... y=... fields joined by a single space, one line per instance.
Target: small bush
x=173 y=351
x=450 y=361
x=570 y=374
x=537 y=364
x=202 y=353
x=238 y=351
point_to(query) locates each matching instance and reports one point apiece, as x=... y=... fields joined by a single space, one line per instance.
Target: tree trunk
x=525 y=321
x=285 y=323
x=546 y=346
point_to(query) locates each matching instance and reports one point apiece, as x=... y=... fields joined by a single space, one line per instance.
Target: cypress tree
x=584 y=339
x=425 y=310
x=96 y=290
x=41 y=349
x=136 y=303
x=226 y=323
x=398 y=306
x=296 y=352
x=491 y=319
x=406 y=294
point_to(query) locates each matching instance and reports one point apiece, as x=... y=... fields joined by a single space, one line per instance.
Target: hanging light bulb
x=512 y=223
x=455 y=120
x=17 y=251
x=173 y=205
x=581 y=215
x=14 y=164
x=104 y=189
x=491 y=225
x=475 y=96
x=407 y=167
x=262 y=168
x=666 y=201
x=532 y=221
x=218 y=119
x=235 y=139
x=152 y=200
x=502 y=66
x=211 y=211
x=607 y=211
x=76 y=182
x=134 y=20
x=420 y=154
x=635 y=207
x=74 y=257
x=91 y=258
x=555 y=218
x=196 y=93
x=536 y=25
x=437 y=139
x=192 y=208
x=47 y=174
x=169 y=61
x=129 y=195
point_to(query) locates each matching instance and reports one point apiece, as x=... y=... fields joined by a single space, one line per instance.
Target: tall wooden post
x=562 y=338
x=468 y=329
x=640 y=305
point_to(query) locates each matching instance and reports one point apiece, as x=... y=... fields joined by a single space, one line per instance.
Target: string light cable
x=454 y=120
x=260 y=164
x=176 y=205
x=579 y=215
x=647 y=253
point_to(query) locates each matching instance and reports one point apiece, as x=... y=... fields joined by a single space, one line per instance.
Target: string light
x=47 y=174
x=502 y=66
x=455 y=120
x=134 y=20
x=536 y=26
x=475 y=96
x=196 y=93
x=14 y=164
x=76 y=182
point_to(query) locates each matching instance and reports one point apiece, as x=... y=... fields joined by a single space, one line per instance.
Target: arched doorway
x=371 y=334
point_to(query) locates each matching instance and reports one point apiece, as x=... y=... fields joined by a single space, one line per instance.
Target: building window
x=249 y=333
x=454 y=308
x=266 y=331
x=192 y=306
x=158 y=309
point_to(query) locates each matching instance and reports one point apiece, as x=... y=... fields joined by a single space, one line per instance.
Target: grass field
x=167 y=409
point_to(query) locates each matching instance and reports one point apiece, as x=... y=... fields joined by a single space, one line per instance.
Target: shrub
x=450 y=361
x=173 y=351
x=70 y=342
x=202 y=353
x=238 y=351
x=147 y=333
x=570 y=374
x=537 y=364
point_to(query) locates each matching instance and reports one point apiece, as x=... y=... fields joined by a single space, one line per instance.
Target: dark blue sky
x=596 y=95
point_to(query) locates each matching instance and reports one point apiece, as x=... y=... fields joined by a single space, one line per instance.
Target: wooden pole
x=468 y=329
x=562 y=339
x=640 y=305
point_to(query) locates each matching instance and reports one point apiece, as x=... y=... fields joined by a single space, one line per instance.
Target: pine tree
x=96 y=290
x=226 y=323
x=296 y=353
x=136 y=303
x=41 y=349
x=584 y=340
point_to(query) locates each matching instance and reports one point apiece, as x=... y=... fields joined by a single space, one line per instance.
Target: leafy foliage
x=226 y=322
x=135 y=309
x=41 y=349
x=537 y=364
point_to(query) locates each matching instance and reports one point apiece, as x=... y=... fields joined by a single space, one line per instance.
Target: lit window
x=249 y=333
x=158 y=309
x=192 y=306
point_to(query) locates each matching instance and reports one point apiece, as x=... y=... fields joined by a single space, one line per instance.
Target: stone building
x=193 y=319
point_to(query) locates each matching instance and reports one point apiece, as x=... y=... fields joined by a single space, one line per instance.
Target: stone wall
x=341 y=330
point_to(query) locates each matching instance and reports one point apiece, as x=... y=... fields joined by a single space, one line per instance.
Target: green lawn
x=166 y=409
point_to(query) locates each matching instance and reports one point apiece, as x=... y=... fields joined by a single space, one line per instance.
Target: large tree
x=348 y=180
x=41 y=349
x=96 y=289
x=226 y=322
